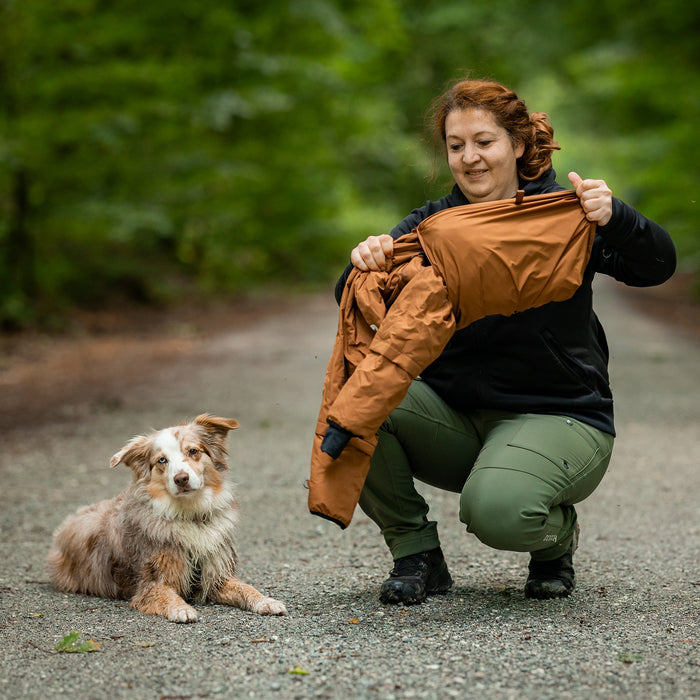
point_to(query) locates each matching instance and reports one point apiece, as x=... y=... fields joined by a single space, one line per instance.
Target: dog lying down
x=169 y=537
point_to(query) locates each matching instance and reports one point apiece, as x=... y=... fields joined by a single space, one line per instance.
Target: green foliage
x=148 y=149
x=629 y=99
x=622 y=88
x=147 y=145
x=70 y=644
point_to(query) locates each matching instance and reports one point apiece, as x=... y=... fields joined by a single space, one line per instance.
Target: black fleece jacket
x=552 y=359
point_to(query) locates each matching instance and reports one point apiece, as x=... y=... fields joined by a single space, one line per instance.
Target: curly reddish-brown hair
x=510 y=112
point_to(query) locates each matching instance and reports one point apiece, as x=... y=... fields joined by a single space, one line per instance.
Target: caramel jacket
x=455 y=267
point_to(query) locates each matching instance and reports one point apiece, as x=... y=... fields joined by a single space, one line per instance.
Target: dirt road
x=629 y=631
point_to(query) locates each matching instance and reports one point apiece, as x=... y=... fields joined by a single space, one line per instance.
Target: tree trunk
x=20 y=244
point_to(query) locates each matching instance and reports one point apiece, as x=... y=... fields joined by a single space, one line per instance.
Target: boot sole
x=438 y=584
x=538 y=593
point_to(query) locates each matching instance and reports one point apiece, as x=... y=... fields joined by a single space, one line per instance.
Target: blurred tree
x=146 y=148
x=143 y=144
x=622 y=88
x=630 y=89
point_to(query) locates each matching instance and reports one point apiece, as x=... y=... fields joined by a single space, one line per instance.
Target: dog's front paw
x=269 y=606
x=182 y=613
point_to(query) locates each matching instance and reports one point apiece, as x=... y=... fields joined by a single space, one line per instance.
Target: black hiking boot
x=416 y=576
x=555 y=578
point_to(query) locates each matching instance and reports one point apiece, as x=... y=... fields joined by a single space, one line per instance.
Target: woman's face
x=481 y=155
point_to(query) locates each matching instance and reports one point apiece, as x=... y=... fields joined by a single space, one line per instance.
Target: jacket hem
x=339 y=523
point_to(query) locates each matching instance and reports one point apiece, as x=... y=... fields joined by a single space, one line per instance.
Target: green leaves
x=166 y=144
x=298 y=671
x=149 y=148
x=70 y=644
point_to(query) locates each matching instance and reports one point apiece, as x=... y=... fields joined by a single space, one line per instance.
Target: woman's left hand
x=595 y=196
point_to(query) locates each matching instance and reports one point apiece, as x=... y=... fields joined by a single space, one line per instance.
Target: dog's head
x=182 y=461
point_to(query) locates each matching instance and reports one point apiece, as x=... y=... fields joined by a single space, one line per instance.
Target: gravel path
x=629 y=631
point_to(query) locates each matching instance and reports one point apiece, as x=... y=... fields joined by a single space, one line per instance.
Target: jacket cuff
x=335 y=440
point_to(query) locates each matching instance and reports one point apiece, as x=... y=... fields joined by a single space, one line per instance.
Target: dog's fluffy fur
x=169 y=537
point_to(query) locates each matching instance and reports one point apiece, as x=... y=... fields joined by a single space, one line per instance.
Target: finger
x=387 y=243
x=575 y=179
x=368 y=255
x=593 y=188
x=597 y=208
x=600 y=212
x=373 y=252
x=357 y=261
x=590 y=201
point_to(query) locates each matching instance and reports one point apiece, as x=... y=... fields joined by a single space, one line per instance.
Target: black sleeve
x=335 y=440
x=340 y=284
x=634 y=249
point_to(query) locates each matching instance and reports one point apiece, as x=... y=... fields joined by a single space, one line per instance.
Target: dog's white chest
x=211 y=537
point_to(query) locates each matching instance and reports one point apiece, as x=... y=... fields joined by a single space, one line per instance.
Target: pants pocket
x=565 y=442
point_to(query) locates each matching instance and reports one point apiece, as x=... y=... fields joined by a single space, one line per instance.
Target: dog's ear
x=216 y=430
x=219 y=426
x=135 y=455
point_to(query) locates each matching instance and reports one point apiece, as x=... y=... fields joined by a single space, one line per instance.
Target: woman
x=516 y=414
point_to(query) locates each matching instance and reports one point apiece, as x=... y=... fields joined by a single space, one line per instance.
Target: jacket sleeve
x=634 y=249
x=413 y=333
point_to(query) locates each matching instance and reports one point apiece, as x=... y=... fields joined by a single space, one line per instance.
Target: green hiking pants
x=518 y=475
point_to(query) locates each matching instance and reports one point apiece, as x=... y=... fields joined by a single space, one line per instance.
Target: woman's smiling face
x=481 y=155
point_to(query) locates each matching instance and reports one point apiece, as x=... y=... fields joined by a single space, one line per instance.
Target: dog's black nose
x=182 y=479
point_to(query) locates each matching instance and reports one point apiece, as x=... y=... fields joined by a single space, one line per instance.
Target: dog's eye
x=194 y=452
x=162 y=460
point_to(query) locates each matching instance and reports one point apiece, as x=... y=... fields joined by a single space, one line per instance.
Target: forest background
x=155 y=150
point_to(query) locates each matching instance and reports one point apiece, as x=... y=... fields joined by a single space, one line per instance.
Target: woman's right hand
x=373 y=253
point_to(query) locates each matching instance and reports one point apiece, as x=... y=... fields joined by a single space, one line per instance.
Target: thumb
x=575 y=179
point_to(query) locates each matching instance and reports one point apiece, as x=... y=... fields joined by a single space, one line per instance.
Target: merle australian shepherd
x=169 y=537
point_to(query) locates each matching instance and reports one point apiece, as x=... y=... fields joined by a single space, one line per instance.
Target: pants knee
x=501 y=518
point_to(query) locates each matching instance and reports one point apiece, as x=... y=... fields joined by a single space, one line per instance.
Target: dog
x=169 y=537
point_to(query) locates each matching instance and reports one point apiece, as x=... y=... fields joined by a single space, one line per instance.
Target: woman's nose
x=470 y=154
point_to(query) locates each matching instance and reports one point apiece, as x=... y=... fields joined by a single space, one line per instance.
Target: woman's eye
x=484 y=144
